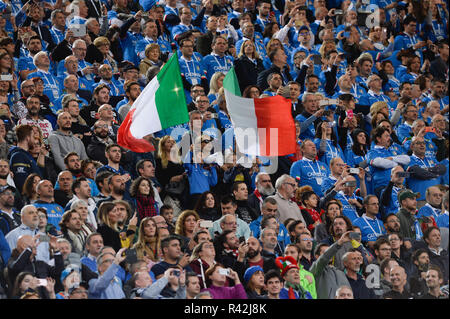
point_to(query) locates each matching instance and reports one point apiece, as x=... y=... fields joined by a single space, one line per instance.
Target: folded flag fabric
x=262 y=126
x=161 y=105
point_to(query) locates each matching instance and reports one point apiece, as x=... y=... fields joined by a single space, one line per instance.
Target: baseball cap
x=407 y=194
x=6 y=187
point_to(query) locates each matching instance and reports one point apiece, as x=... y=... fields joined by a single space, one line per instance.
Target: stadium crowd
x=359 y=211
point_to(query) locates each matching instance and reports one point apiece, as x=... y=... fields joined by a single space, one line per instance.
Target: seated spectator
x=216 y=279
x=290 y=272
x=93 y=246
x=206 y=207
x=398 y=281
x=147 y=245
x=202 y=258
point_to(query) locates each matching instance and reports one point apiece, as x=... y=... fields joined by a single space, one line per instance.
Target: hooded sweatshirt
x=61 y=144
x=22 y=164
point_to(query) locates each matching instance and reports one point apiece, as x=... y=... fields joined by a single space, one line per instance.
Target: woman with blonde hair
x=104 y=45
x=214 y=85
x=148 y=243
x=152 y=54
x=170 y=172
x=248 y=65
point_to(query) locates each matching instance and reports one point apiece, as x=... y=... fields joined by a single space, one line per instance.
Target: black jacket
x=96 y=150
x=262 y=77
x=247 y=71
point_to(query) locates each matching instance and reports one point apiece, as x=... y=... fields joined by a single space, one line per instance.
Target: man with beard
x=270 y=209
x=33 y=118
x=98 y=143
x=107 y=114
x=21 y=161
x=9 y=216
x=132 y=91
x=305 y=244
x=25 y=63
x=244 y=211
x=263 y=188
x=70 y=104
x=101 y=96
x=392 y=224
x=113 y=154
x=45 y=192
x=270 y=245
x=253 y=257
x=63 y=141
x=116 y=185
x=340 y=226
x=421 y=261
x=286 y=186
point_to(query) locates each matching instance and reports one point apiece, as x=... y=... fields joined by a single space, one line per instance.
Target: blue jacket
x=371 y=229
x=54 y=212
x=311 y=173
x=22 y=164
x=283 y=234
x=421 y=185
x=200 y=179
x=107 y=286
x=4 y=250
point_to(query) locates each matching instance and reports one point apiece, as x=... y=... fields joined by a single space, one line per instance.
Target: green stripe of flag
x=231 y=83
x=169 y=97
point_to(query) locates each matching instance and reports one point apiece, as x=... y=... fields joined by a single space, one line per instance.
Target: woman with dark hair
x=361 y=145
x=252 y=92
x=327 y=143
x=308 y=206
x=142 y=192
x=269 y=30
x=207 y=207
x=29 y=189
x=412 y=70
x=248 y=65
x=254 y=283
x=332 y=209
x=27 y=282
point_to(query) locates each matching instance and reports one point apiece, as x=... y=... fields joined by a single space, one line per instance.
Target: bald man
x=398 y=280
x=29 y=226
x=62 y=141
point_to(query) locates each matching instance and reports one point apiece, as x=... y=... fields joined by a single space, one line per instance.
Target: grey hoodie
x=328 y=278
x=62 y=144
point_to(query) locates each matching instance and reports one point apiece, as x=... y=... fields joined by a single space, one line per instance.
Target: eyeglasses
x=8 y=193
x=292 y=184
x=203 y=101
x=206 y=141
x=102 y=126
x=306 y=239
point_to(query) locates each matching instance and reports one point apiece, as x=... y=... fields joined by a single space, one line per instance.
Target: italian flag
x=160 y=105
x=262 y=126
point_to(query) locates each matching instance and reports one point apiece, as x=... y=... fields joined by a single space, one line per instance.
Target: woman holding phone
x=216 y=277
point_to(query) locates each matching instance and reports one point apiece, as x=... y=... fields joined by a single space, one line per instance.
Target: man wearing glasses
x=424 y=171
x=371 y=227
x=286 y=186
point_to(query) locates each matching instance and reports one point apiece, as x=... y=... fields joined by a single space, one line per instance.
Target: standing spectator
x=62 y=141
x=438 y=256
x=172 y=256
x=434 y=280
x=108 y=218
x=93 y=246
x=147 y=245
x=409 y=224
x=207 y=207
x=142 y=191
